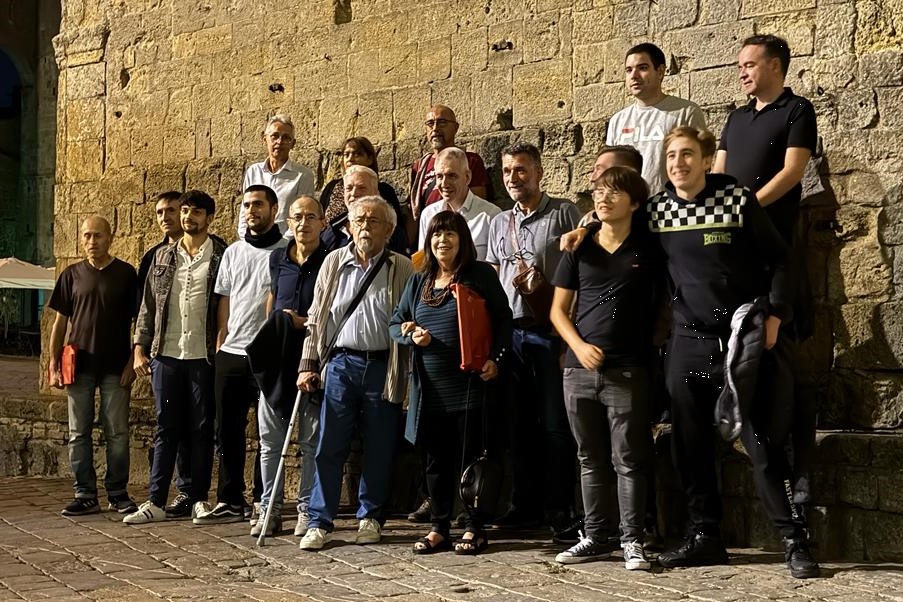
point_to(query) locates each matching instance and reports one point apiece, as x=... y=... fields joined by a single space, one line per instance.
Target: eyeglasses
x=360 y=222
x=437 y=123
x=602 y=194
x=301 y=217
x=277 y=137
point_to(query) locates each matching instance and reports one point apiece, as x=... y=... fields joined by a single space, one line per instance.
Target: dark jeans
x=236 y=392
x=611 y=406
x=695 y=377
x=450 y=442
x=183 y=391
x=542 y=444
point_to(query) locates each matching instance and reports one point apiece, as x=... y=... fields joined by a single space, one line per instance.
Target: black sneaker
x=222 y=513
x=567 y=532
x=799 y=559
x=180 y=507
x=81 y=506
x=123 y=504
x=698 y=550
x=423 y=514
x=585 y=550
x=516 y=519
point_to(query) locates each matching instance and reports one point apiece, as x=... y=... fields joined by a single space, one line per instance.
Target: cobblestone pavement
x=46 y=556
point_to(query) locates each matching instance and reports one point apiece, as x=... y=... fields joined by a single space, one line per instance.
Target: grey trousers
x=616 y=401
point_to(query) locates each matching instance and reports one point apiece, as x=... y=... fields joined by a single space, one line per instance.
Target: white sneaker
x=256 y=514
x=315 y=539
x=302 y=524
x=147 y=512
x=368 y=531
x=635 y=556
x=200 y=509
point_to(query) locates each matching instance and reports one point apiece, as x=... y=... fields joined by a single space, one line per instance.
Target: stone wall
x=161 y=94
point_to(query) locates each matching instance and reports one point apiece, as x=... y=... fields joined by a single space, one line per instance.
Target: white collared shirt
x=367 y=328
x=185 y=337
x=291 y=181
x=477 y=211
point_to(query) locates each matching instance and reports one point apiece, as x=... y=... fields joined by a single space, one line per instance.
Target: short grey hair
x=358 y=205
x=279 y=118
x=453 y=153
x=360 y=169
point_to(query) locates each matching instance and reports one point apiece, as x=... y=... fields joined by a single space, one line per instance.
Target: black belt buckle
x=382 y=354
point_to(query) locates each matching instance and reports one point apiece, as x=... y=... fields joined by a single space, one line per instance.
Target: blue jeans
x=354 y=392
x=611 y=405
x=543 y=447
x=183 y=392
x=273 y=427
x=114 y=418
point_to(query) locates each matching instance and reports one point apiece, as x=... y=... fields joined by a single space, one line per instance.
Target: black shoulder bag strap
x=354 y=303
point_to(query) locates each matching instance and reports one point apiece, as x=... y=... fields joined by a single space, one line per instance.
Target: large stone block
x=890 y=107
x=375 y=116
x=398 y=65
x=410 y=106
x=86 y=81
x=718 y=86
x=708 y=45
x=631 y=18
x=84 y=160
x=881 y=68
x=456 y=93
x=542 y=92
x=673 y=14
x=506 y=43
x=834 y=29
x=492 y=100
x=878 y=25
x=85 y=119
x=594 y=26
x=598 y=101
x=542 y=36
x=588 y=64
x=469 y=51
x=434 y=60
x=202 y=41
x=858 y=487
x=873 y=400
x=719 y=11
x=338 y=116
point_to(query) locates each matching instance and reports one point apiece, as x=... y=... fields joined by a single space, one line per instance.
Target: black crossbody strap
x=355 y=302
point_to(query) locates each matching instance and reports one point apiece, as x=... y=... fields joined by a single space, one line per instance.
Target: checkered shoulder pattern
x=722 y=209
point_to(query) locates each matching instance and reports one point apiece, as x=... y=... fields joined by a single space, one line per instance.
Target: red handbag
x=474 y=328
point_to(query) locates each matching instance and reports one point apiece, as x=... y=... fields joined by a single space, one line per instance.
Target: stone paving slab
x=45 y=556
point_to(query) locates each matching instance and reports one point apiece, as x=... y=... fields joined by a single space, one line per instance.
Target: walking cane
x=280 y=470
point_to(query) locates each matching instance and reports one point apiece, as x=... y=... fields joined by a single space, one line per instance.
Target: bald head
x=441 y=125
x=96 y=238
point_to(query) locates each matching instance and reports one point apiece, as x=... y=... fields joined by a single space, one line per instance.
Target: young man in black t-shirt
x=97 y=296
x=614 y=275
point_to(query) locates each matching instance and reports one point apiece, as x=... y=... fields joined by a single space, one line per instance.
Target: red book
x=67 y=363
x=474 y=328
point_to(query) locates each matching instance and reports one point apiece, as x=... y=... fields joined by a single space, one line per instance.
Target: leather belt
x=382 y=354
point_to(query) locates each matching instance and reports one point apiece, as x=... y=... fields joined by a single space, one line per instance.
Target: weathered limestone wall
x=159 y=94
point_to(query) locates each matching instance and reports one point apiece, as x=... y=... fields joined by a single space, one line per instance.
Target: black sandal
x=471 y=546
x=425 y=546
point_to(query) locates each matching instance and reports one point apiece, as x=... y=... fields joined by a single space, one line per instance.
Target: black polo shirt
x=292 y=285
x=756 y=142
x=616 y=297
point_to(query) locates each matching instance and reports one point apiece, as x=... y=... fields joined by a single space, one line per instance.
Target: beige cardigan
x=400 y=269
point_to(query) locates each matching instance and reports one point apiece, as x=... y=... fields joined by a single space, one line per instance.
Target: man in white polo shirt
x=453 y=181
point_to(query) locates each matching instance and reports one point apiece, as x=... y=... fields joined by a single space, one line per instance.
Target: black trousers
x=694 y=377
x=236 y=392
x=450 y=441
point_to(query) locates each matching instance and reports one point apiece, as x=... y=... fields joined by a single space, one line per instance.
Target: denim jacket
x=152 y=317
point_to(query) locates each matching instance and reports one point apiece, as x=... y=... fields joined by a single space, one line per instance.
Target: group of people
x=319 y=301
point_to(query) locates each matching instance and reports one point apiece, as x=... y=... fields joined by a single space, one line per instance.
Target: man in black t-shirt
x=766 y=145
x=614 y=276
x=97 y=297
